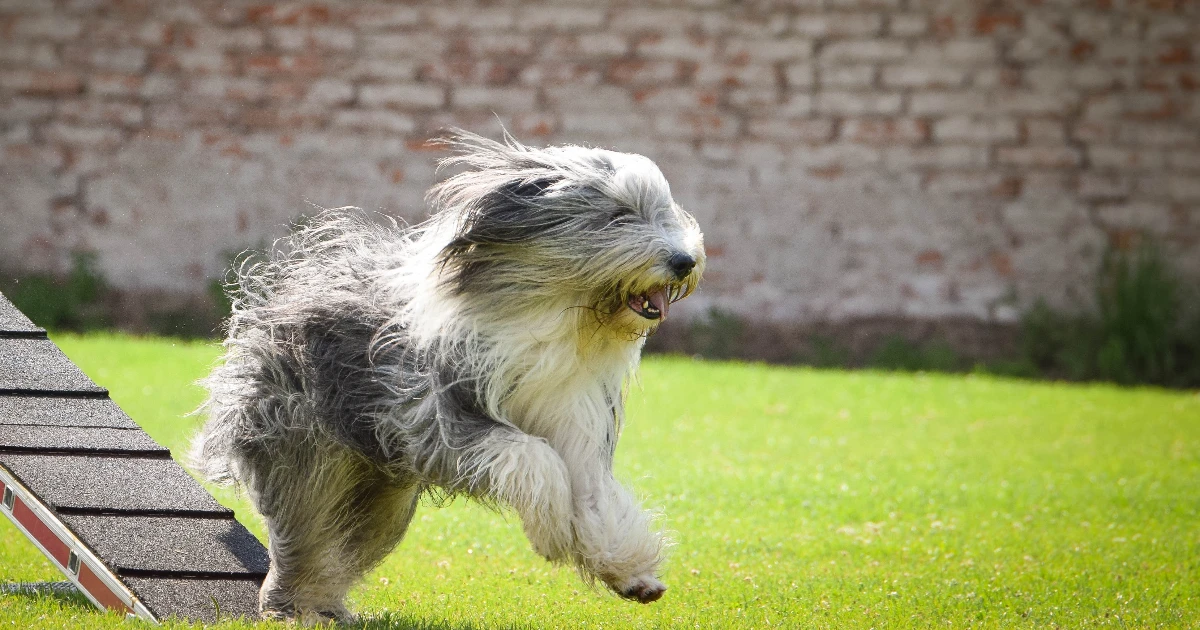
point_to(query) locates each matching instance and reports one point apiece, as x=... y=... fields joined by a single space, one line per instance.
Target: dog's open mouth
x=655 y=304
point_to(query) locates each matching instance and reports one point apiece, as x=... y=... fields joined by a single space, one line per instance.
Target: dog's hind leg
x=331 y=517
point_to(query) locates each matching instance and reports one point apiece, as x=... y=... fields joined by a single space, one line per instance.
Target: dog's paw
x=642 y=588
x=310 y=618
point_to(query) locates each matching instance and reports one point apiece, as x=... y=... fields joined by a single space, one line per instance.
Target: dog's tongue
x=659 y=300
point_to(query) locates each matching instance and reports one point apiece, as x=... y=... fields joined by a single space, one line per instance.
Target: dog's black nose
x=681 y=264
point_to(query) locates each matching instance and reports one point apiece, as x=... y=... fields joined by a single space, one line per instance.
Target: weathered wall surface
x=847 y=158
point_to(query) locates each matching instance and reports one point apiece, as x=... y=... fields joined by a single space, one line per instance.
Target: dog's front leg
x=525 y=472
x=615 y=538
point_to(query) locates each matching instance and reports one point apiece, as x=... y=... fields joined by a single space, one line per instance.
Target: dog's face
x=579 y=227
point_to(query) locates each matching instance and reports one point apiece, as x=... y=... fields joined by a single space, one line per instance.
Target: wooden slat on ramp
x=104 y=501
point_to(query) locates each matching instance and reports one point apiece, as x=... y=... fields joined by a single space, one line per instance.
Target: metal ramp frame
x=106 y=503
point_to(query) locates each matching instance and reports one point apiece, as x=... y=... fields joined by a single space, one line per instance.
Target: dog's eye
x=621 y=213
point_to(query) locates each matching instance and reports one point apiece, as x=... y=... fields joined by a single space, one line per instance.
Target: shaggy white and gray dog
x=485 y=352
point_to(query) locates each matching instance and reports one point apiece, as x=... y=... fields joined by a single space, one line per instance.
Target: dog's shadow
x=65 y=594
x=400 y=621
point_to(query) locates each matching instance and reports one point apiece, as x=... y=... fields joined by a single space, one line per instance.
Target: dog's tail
x=215 y=450
x=211 y=453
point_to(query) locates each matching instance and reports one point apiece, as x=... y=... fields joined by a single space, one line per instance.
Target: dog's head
x=568 y=225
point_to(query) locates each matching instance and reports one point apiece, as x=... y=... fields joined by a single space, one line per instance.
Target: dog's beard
x=636 y=309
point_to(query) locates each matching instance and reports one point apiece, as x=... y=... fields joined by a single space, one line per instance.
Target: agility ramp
x=107 y=504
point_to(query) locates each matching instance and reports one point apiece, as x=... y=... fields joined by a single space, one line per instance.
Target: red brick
x=92 y=112
x=930 y=258
x=41 y=82
x=223 y=38
x=194 y=61
x=885 y=130
x=452 y=70
x=958 y=183
x=326 y=38
x=989 y=23
x=289 y=14
x=1174 y=54
x=697 y=125
x=677 y=98
x=631 y=71
x=735 y=75
x=1082 y=49
x=535 y=124
x=229 y=88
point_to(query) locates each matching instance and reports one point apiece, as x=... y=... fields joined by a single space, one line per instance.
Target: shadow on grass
x=64 y=593
x=399 y=621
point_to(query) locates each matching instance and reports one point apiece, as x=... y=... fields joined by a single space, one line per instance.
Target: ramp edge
x=54 y=539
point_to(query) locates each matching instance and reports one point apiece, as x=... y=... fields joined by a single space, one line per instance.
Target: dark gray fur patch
x=307 y=364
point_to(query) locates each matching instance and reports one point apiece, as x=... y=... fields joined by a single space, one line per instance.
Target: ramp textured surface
x=154 y=528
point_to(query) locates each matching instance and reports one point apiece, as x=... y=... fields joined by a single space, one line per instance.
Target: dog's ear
x=513 y=213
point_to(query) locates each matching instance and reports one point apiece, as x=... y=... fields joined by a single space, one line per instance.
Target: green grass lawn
x=797 y=497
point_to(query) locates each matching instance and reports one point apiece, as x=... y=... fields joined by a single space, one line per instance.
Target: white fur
x=500 y=346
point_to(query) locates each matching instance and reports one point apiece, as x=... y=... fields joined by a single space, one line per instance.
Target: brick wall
x=847 y=158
